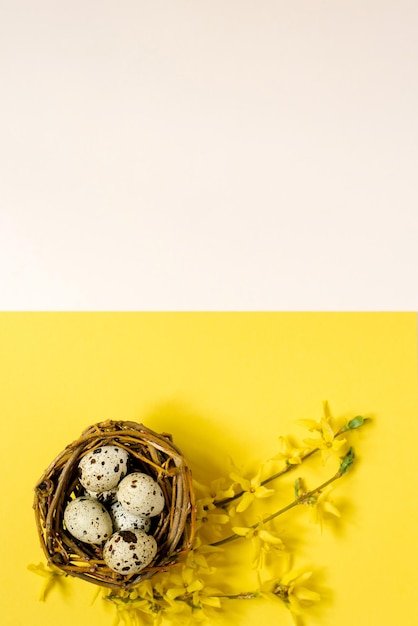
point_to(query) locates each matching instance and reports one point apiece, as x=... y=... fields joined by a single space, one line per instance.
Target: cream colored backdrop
x=208 y=154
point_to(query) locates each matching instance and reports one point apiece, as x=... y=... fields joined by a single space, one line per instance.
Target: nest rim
x=154 y=453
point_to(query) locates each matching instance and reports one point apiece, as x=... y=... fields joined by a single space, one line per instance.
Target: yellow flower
x=252 y=489
x=216 y=491
x=209 y=517
x=53 y=576
x=292 y=591
x=185 y=583
x=197 y=558
x=133 y=609
x=289 y=453
x=144 y=590
x=263 y=541
x=328 y=442
x=186 y=589
x=314 y=425
x=320 y=506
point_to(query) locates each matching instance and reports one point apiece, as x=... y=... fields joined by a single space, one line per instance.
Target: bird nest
x=150 y=453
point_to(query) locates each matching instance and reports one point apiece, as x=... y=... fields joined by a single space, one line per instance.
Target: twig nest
x=116 y=506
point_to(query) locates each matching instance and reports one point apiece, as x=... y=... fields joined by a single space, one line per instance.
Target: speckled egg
x=129 y=551
x=122 y=520
x=101 y=469
x=141 y=495
x=87 y=520
x=105 y=497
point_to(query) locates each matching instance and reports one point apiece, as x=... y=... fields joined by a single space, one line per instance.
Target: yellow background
x=221 y=383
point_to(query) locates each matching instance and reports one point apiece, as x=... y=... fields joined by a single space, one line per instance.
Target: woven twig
x=149 y=452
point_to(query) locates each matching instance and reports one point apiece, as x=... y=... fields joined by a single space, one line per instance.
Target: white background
x=201 y=155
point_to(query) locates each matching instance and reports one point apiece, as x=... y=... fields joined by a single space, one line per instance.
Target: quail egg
x=141 y=495
x=88 y=520
x=101 y=469
x=122 y=520
x=105 y=497
x=129 y=551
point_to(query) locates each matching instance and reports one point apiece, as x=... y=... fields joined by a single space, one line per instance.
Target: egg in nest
x=101 y=469
x=87 y=519
x=129 y=551
x=122 y=520
x=141 y=495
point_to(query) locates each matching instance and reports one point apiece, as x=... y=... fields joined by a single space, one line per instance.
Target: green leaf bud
x=356 y=422
x=347 y=461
